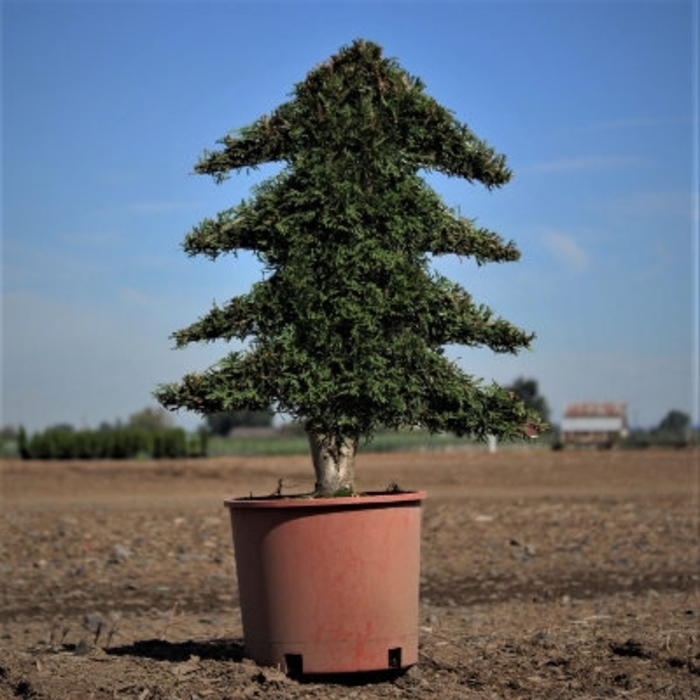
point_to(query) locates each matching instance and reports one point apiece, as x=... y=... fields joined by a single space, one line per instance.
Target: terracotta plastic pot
x=329 y=585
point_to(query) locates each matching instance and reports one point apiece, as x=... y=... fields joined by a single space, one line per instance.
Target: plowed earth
x=544 y=575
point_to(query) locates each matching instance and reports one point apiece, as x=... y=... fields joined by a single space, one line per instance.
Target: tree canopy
x=347 y=328
x=527 y=390
x=675 y=421
x=151 y=418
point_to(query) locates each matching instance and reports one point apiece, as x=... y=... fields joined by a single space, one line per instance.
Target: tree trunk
x=334 y=463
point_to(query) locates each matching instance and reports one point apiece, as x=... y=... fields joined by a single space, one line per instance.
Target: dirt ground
x=544 y=575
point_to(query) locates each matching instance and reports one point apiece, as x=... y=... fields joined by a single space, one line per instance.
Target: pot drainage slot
x=295 y=665
x=395 y=657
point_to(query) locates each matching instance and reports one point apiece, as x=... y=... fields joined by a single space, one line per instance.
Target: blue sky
x=108 y=105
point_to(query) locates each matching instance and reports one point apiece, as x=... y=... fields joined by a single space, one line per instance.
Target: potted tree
x=347 y=331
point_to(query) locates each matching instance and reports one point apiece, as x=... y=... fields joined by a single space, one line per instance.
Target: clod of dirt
x=272 y=677
x=630 y=648
x=82 y=648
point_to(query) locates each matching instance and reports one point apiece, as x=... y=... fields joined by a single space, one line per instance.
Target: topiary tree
x=347 y=327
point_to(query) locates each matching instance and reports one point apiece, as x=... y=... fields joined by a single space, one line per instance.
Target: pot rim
x=364 y=499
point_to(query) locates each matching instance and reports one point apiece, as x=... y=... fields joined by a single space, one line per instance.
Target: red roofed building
x=600 y=425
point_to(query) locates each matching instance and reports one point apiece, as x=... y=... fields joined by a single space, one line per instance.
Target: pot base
x=312 y=659
x=329 y=586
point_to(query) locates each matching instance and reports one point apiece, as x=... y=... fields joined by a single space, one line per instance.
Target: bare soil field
x=544 y=575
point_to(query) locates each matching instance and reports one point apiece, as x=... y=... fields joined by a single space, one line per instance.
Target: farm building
x=600 y=425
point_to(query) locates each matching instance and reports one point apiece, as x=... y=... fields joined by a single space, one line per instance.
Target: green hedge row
x=116 y=443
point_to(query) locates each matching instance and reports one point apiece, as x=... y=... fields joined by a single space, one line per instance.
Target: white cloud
x=134 y=297
x=670 y=203
x=162 y=207
x=94 y=239
x=586 y=163
x=628 y=123
x=565 y=248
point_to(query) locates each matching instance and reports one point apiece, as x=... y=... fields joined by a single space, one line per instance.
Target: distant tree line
x=117 y=443
x=148 y=433
x=674 y=430
x=223 y=423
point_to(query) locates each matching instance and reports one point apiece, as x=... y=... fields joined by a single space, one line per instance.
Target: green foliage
x=348 y=326
x=674 y=430
x=169 y=443
x=527 y=390
x=675 y=422
x=8 y=432
x=151 y=418
x=641 y=439
x=223 y=423
x=113 y=443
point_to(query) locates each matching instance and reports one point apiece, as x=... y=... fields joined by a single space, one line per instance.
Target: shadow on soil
x=159 y=650
x=356 y=679
x=232 y=650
